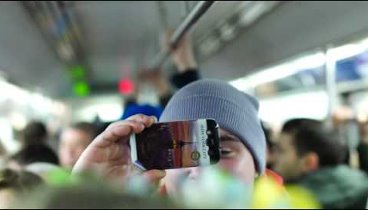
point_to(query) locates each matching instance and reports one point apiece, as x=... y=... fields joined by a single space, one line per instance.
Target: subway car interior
x=286 y=83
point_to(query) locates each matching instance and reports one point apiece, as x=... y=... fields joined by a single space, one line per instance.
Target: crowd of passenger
x=259 y=167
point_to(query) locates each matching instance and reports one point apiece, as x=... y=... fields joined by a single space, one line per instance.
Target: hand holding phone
x=178 y=144
x=109 y=154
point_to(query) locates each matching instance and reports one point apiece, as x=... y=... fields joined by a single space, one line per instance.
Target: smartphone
x=177 y=144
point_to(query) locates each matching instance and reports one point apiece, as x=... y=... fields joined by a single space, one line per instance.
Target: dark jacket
x=338 y=187
x=36 y=153
x=363 y=157
x=180 y=80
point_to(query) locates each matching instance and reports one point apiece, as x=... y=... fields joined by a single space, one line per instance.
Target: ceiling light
x=227 y=31
x=210 y=45
x=347 y=51
x=280 y=71
x=253 y=11
x=18 y=120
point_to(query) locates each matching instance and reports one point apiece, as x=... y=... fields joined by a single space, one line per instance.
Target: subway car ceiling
x=108 y=40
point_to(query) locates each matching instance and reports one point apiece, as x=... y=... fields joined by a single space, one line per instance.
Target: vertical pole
x=330 y=70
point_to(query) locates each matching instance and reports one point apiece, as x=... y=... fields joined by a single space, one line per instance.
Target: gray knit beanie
x=233 y=110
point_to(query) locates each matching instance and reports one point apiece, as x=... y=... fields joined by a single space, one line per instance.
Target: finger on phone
x=146 y=120
x=119 y=130
x=118 y=127
x=153 y=120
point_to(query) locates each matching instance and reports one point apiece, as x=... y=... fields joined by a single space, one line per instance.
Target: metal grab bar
x=188 y=22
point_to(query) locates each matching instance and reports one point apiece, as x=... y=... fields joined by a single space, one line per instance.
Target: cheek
x=285 y=163
x=289 y=158
x=76 y=152
x=79 y=150
x=64 y=151
x=71 y=151
x=242 y=168
x=280 y=165
x=229 y=165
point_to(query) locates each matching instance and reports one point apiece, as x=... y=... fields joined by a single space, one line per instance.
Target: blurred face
x=72 y=143
x=235 y=159
x=286 y=160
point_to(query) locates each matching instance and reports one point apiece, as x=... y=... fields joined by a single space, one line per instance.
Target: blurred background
x=70 y=68
x=64 y=62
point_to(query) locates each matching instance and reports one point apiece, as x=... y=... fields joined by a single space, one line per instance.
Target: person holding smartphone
x=242 y=140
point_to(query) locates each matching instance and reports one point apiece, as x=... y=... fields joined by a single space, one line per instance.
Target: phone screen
x=176 y=145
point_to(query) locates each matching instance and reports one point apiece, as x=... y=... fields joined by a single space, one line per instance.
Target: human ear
x=310 y=162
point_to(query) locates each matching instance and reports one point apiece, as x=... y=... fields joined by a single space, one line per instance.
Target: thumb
x=154 y=176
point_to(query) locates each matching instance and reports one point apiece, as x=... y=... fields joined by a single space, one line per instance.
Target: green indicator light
x=81 y=89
